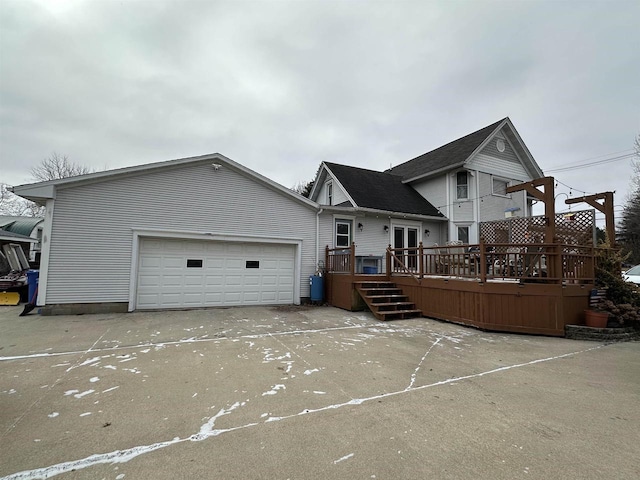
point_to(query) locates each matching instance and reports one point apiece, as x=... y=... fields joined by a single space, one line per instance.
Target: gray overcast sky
x=280 y=86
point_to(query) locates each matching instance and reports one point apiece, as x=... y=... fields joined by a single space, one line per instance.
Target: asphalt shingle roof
x=453 y=153
x=381 y=191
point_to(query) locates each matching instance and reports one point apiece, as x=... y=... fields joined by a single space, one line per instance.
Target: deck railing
x=529 y=262
x=340 y=260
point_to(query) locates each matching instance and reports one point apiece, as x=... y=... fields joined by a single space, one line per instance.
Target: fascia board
x=35 y=191
x=335 y=179
x=44 y=190
x=486 y=140
x=318 y=180
x=389 y=213
x=526 y=151
x=434 y=172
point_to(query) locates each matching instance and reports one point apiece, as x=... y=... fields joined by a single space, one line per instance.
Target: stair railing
x=398 y=264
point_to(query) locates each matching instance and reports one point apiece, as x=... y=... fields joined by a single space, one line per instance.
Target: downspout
x=477 y=209
x=318 y=235
x=449 y=205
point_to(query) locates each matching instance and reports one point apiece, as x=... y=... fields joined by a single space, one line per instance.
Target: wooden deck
x=501 y=306
x=491 y=301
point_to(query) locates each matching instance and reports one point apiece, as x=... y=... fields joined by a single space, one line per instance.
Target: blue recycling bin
x=369 y=270
x=317 y=288
x=32 y=282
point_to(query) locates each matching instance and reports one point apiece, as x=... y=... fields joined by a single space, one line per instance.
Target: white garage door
x=190 y=273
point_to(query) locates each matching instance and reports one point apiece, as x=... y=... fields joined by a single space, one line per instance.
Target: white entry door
x=407 y=237
x=176 y=273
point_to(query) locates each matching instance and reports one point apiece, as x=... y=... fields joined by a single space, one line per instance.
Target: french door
x=406 y=237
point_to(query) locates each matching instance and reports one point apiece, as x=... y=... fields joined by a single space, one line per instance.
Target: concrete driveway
x=306 y=393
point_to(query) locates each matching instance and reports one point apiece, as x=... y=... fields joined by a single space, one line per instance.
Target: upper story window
x=462 y=185
x=499 y=186
x=329 y=193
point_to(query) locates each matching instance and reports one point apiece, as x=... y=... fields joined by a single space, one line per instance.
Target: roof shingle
x=381 y=191
x=453 y=153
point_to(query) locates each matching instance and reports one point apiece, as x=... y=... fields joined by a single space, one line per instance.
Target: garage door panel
x=213 y=280
x=212 y=263
x=151 y=260
x=194 y=280
x=149 y=281
x=220 y=273
x=171 y=280
x=233 y=263
x=173 y=262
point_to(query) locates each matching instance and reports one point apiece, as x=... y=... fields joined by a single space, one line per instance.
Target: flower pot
x=596 y=319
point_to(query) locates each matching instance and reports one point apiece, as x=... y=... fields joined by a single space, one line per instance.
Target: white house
x=439 y=196
x=206 y=231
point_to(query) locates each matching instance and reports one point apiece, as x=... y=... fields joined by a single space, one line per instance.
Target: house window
x=462 y=185
x=499 y=186
x=329 y=193
x=343 y=233
x=463 y=235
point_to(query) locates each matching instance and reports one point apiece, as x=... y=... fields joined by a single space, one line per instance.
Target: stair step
x=398 y=314
x=382 y=299
x=383 y=284
x=409 y=305
x=386 y=301
x=382 y=291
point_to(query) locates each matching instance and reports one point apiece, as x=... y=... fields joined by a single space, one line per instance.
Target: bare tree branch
x=11 y=204
x=57 y=166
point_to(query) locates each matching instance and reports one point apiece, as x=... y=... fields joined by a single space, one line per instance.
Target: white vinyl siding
x=435 y=191
x=462 y=211
x=492 y=207
x=338 y=195
x=496 y=166
x=92 y=233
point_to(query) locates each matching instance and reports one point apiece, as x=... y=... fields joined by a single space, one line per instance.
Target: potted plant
x=596 y=318
x=621 y=302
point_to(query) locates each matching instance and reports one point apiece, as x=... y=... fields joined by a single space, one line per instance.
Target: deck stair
x=386 y=301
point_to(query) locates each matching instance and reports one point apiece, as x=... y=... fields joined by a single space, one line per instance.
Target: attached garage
x=182 y=273
x=186 y=233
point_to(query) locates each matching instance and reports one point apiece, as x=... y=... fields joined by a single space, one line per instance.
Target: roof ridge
x=493 y=126
x=386 y=172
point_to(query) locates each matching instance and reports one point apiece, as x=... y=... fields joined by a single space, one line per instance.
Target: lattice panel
x=573 y=228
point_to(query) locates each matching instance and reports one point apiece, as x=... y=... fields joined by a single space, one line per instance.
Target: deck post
x=389 y=261
x=483 y=261
x=556 y=263
x=328 y=268
x=352 y=259
x=421 y=261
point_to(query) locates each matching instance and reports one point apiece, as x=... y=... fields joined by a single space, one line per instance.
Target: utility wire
x=591 y=164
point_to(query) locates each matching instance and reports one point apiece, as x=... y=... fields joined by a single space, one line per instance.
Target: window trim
x=468 y=227
x=329 y=193
x=466 y=185
x=346 y=221
x=501 y=179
